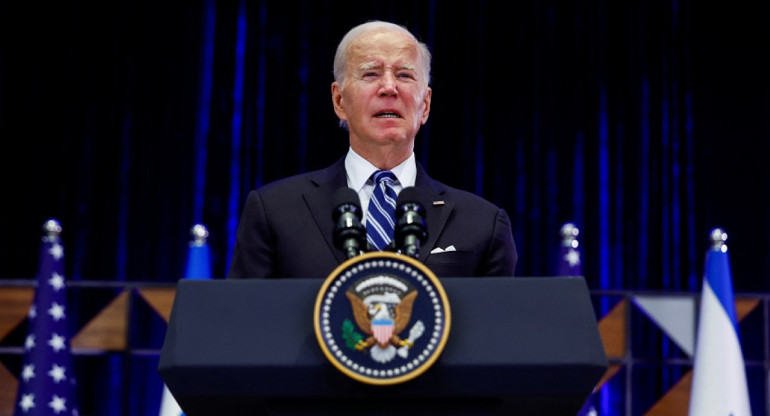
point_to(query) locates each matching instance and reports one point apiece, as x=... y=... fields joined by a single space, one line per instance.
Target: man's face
x=384 y=98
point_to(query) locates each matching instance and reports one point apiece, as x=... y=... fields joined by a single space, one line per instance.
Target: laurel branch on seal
x=349 y=334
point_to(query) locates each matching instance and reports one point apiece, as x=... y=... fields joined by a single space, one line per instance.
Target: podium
x=517 y=345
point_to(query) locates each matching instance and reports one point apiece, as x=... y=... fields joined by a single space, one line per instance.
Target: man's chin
x=392 y=139
x=391 y=134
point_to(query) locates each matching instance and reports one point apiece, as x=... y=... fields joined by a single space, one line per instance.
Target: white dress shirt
x=359 y=171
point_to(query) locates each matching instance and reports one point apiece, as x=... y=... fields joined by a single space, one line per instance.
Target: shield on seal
x=382 y=329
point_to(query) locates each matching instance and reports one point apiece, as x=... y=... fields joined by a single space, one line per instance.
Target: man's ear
x=337 y=102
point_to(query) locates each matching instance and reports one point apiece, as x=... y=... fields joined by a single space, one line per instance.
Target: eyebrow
x=367 y=66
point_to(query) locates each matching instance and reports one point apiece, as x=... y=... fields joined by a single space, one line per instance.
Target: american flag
x=568 y=264
x=568 y=261
x=47 y=382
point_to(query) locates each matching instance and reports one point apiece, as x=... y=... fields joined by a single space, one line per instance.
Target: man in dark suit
x=382 y=97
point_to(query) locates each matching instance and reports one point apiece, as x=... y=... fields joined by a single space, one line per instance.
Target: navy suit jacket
x=286 y=230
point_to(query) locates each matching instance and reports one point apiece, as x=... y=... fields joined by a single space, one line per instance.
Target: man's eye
x=406 y=76
x=370 y=74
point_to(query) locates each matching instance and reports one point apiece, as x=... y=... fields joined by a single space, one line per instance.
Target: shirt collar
x=359 y=170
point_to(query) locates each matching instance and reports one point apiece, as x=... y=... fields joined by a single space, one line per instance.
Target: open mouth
x=387 y=114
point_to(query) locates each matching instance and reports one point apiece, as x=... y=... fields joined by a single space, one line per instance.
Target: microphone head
x=349 y=234
x=409 y=202
x=410 y=194
x=410 y=217
x=345 y=200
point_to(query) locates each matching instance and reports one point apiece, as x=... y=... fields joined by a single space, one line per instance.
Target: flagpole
x=719 y=385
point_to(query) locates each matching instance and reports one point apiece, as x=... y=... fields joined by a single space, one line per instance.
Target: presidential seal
x=382 y=318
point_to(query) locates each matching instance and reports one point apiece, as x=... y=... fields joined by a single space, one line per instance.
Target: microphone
x=349 y=233
x=410 y=231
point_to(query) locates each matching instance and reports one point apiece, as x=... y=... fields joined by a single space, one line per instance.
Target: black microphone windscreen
x=410 y=194
x=346 y=196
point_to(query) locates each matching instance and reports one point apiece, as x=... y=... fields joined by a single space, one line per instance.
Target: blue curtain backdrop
x=645 y=123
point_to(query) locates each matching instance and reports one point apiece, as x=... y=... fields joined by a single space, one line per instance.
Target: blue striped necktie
x=380 y=216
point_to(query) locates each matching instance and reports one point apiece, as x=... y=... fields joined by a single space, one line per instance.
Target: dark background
x=643 y=122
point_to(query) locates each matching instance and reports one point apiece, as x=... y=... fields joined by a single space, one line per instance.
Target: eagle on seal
x=382 y=317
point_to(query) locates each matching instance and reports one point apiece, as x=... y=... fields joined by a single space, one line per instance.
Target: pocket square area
x=443 y=250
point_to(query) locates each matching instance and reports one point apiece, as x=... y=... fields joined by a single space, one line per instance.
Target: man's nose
x=388 y=84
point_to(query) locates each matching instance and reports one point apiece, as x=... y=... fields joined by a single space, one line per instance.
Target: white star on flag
x=28 y=372
x=32 y=312
x=573 y=257
x=56 y=251
x=57 y=373
x=57 y=342
x=56 y=281
x=29 y=342
x=58 y=404
x=27 y=402
x=56 y=311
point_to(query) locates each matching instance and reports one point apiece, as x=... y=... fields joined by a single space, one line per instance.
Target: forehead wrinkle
x=366 y=66
x=367 y=48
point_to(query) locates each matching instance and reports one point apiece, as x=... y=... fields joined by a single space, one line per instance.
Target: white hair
x=341 y=56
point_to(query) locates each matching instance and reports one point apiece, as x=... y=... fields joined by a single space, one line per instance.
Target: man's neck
x=384 y=157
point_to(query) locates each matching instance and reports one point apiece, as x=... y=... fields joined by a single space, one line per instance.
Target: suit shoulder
x=468 y=199
x=300 y=182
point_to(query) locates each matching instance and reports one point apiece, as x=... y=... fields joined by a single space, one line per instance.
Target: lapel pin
x=437 y=203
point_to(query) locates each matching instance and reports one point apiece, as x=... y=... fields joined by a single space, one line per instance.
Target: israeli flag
x=198 y=267
x=719 y=375
x=168 y=405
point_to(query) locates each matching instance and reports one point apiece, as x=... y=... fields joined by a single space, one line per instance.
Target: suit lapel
x=319 y=201
x=327 y=181
x=437 y=210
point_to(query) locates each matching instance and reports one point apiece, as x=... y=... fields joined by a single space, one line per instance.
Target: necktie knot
x=383 y=175
x=380 y=217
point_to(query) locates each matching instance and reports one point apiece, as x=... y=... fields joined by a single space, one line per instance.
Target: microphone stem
x=412 y=247
x=351 y=249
